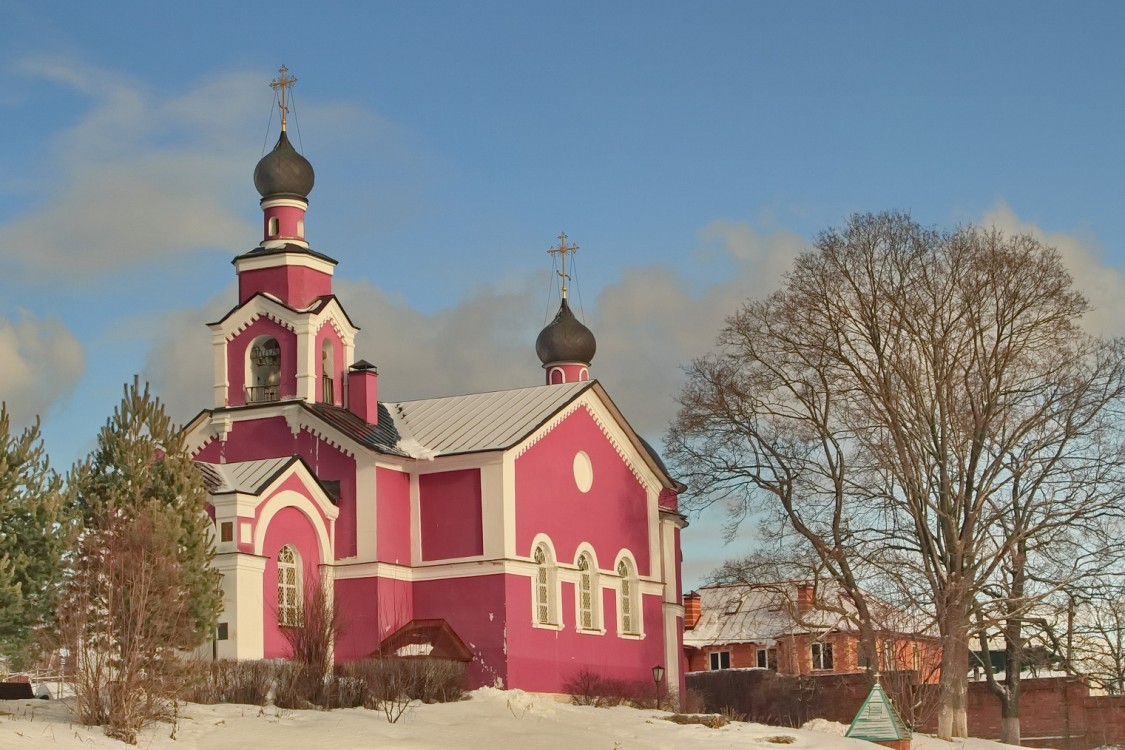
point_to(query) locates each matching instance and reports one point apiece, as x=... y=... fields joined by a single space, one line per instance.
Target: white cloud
x=42 y=360
x=139 y=178
x=1103 y=285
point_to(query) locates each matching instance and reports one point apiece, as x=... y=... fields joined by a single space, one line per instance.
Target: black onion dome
x=283 y=171
x=565 y=339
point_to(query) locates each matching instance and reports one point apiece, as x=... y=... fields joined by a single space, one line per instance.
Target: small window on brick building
x=822 y=656
x=889 y=656
x=767 y=658
x=226 y=531
x=720 y=660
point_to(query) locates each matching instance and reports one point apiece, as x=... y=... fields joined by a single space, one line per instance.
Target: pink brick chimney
x=363 y=391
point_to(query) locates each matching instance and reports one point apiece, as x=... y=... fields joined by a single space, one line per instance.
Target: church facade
x=530 y=532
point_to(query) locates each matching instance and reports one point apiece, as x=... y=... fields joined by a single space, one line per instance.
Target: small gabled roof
x=249 y=477
x=481 y=421
x=254 y=476
x=433 y=638
x=315 y=307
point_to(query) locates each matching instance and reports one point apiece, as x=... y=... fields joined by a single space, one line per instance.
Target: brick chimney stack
x=691 y=609
x=806 y=598
x=363 y=391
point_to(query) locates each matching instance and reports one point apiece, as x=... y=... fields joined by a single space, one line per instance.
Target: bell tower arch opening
x=263 y=370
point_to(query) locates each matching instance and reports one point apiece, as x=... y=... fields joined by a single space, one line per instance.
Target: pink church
x=529 y=532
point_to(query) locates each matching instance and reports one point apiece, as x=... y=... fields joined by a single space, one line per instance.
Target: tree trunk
x=1010 y=729
x=952 y=713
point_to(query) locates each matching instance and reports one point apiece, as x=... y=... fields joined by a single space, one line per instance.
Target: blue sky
x=690 y=149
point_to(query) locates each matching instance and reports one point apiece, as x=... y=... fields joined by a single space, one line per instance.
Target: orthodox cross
x=561 y=251
x=281 y=85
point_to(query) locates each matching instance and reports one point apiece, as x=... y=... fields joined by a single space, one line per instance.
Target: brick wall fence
x=1055 y=712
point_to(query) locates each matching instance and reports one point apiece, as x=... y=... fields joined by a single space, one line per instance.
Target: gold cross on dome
x=281 y=85
x=561 y=251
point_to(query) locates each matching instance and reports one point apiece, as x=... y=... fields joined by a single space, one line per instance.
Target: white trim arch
x=587 y=591
x=545 y=587
x=630 y=601
x=314 y=512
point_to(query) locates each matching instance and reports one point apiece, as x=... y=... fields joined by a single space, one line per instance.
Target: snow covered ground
x=490 y=720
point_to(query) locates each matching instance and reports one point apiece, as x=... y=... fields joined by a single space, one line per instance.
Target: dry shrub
x=418 y=678
x=297 y=685
x=122 y=614
x=714 y=721
x=390 y=685
x=588 y=688
x=231 y=681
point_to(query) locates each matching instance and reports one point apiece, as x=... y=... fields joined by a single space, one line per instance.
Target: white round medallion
x=583 y=471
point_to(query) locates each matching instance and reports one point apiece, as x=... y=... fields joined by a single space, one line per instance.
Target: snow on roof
x=242 y=476
x=763 y=613
x=753 y=614
x=478 y=421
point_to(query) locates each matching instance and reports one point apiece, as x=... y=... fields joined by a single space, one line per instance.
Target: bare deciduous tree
x=890 y=401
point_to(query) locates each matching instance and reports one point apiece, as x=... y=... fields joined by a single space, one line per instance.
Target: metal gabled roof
x=480 y=421
x=249 y=477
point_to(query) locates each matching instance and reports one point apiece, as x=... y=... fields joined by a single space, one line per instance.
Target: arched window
x=289 y=607
x=274 y=226
x=263 y=370
x=587 y=594
x=628 y=601
x=544 y=583
x=301 y=228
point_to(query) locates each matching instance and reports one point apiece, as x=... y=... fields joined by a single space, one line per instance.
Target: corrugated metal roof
x=381 y=437
x=479 y=421
x=245 y=476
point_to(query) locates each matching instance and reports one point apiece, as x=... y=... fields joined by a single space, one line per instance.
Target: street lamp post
x=658 y=677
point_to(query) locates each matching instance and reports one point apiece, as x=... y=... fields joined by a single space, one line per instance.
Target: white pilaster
x=243 y=608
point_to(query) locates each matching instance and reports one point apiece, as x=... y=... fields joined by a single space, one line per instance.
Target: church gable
x=573 y=484
x=247 y=495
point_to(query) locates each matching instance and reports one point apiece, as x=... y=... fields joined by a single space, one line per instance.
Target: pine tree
x=141 y=587
x=140 y=462
x=35 y=532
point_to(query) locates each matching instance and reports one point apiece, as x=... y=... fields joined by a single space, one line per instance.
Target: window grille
x=586 y=594
x=628 y=599
x=288 y=587
x=542 y=588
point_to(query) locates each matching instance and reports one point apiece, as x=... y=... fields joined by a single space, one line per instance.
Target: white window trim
x=716 y=656
x=296 y=587
x=597 y=619
x=636 y=599
x=553 y=587
x=813 y=656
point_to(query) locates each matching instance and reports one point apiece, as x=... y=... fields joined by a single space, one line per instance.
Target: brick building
x=797 y=628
